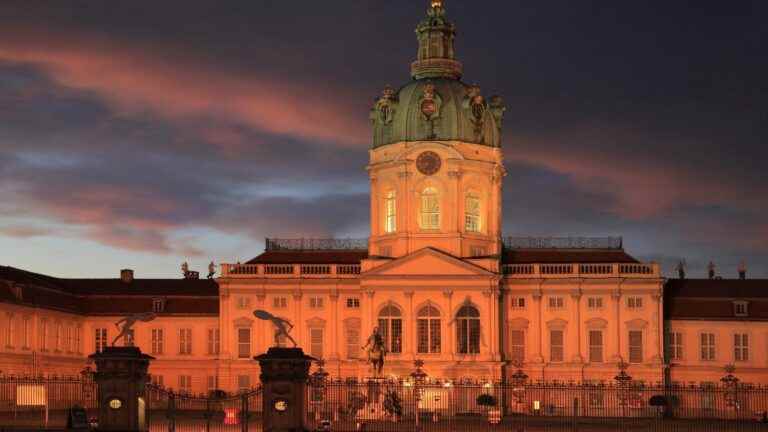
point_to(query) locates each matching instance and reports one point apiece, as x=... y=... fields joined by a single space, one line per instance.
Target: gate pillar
x=284 y=375
x=121 y=374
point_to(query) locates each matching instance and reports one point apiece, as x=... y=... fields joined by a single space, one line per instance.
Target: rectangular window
x=157 y=380
x=385 y=251
x=244 y=343
x=634 y=302
x=635 y=346
x=101 y=339
x=185 y=384
x=740 y=308
x=430 y=209
x=185 y=341
x=243 y=383
x=675 y=345
x=316 y=302
x=58 y=339
x=213 y=383
x=214 y=341
x=27 y=329
x=44 y=335
x=517 y=343
x=595 y=346
x=740 y=347
x=428 y=335
x=353 y=342
x=78 y=339
x=708 y=346
x=316 y=342
x=392 y=332
x=556 y=351
x=518 y=302
x=243 y=302
x=68 y=339
x=353 y=302
x=157 y=341
x=472 y=214
x=390 y=223
x=280 y=302
x=478 y=251
x=595 y=302
x=9 y=332
x=158 y=305
x=556 y=303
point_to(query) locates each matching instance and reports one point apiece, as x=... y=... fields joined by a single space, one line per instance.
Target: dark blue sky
x=141 y=134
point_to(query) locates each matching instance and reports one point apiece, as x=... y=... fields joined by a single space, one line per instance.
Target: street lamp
x=418 y=376
x=731 y=386
x=623 y=383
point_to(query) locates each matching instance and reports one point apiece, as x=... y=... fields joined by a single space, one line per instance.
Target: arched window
x=430 y=209
x=390 y=212
x=472 y=213
x=468 y=330
x=428 y=330
x=391 y=328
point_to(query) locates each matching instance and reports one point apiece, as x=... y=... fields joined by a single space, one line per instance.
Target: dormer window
x=740 y=308
x=158 y=305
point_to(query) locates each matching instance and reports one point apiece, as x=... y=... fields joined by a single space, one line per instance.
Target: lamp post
x=418 y=377
x=731 y=387
x=518 y=383
x=623 y=384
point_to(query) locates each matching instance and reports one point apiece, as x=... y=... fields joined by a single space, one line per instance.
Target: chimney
x=126 y=275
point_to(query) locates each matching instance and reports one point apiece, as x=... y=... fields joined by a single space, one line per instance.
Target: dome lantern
x=436 y=56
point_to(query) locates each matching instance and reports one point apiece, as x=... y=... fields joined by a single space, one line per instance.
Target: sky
x=143 y=134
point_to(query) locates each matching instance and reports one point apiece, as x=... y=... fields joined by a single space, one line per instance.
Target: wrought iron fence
x=44 y=402
x=307 y=244
x=562 y=242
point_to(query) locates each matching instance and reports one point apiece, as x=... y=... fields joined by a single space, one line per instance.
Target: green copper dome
x=436 y=105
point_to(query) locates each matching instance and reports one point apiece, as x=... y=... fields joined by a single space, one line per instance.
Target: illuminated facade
x=436 y=276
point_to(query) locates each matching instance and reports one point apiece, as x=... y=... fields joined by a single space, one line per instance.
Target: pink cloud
x=21 y=231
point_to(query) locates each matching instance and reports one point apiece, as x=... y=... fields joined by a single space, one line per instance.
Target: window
x=353 y=341
x=635 y=346
x=472 y=213
x=213 y=383
x=675 y=345
x=9 y=331
x=158 y=305
x=428 y=330
x=280 y=302
x=517 y=343
x=518 y=302
x=243 y=383
x=740 y=347
x=214 y=341
x=27 y=337
x=58 y=339
x=185 y=383
x=316 y=302
x=78 y=339
x=477 y=251
x=68 y=338
x=556 y=348
x=430 y=209
x=390 y=213
x=385 y=251
x=157 y=341
x=45 y=336
x=595 y=302
x=707 y=346
x=556 y=303
x=243 y=343
x=185 y=341
x=391 y=328
x=740 y=308
x=243 y=302
x=468 y=330
x=316 y=342
x=634 y=302
x=353 y=302
x=157 y=380
x=708 y=395
x=101 y=339
x=595 y=346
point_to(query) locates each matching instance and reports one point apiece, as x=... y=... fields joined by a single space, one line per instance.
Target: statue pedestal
x=121 y=373
x=284 y=375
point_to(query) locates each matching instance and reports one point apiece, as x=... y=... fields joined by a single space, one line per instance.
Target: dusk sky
x=140 y=134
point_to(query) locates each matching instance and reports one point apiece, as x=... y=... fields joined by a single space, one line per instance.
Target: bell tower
x=436 y=165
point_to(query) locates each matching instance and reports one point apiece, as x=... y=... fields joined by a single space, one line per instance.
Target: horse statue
x=279 y=323
x=127 y=326
x=376 y=351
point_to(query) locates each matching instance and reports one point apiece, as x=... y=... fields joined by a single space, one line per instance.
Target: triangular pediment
x=429 y=261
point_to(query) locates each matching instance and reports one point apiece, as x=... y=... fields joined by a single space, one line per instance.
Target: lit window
x=518 y=302
x=353 y=302
x=517 y=338
x=556 y=348
x=634 y=302
x=675 y=345
x=635 y=346
x=157 y=341
x=316 y=302
x=740 y=347
x=214 y=341
x=595 y=302
x=280 y=302
x=707 y=346
x=430 y=209
x=244 y=343
x=468 y=330
x=158 y=305
x=472 y=213
x=390 y=217
x=391 y=328
x=595 y=346
x=556 y=303
x=185 y=341
x=316 y=342
x=428 y=330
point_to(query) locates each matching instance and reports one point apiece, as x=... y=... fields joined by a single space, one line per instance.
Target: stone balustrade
x=635 y=270
x=290 y=270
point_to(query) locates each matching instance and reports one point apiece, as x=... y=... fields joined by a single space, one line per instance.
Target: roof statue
x=184 y=269
x=280 y=325
x=711 y=270
x=211 y=270
x=126 y=330
x=436 y=105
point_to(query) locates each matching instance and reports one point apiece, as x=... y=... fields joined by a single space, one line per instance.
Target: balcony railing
x=562 y=242
x=636 y=270
x=316 y=244
x=289 y=270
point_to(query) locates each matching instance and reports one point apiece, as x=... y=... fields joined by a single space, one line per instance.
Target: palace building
x=437 y=276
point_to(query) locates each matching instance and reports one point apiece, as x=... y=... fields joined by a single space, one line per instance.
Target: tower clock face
x=428 y=163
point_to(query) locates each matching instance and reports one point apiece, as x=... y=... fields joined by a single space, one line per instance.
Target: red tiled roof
x=564 y=256
x=311 y=257
x=712 y=299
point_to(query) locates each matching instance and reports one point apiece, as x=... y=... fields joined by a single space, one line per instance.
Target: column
x=299 y=330
x=334 y=326
x=576 y=328
x=448 y=337
x=616 y=296
x=537 y=327
x=657 y=328
x=410 y=342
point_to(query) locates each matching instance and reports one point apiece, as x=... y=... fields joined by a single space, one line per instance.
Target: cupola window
x=472 y=213
x=430 y=209
x=390 y=216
